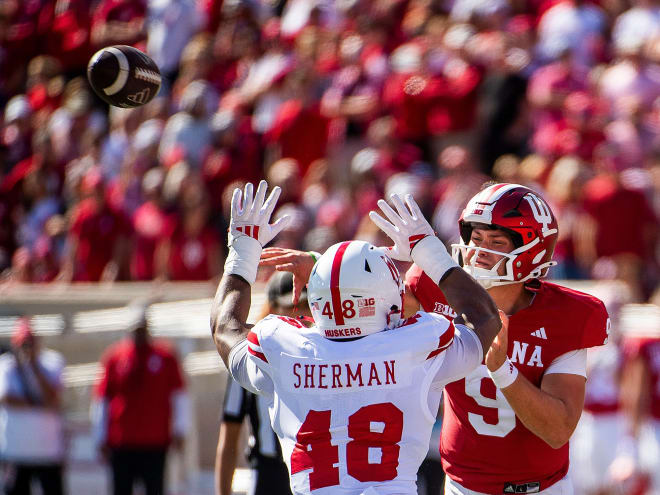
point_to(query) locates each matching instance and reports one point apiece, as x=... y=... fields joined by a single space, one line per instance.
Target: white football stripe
x=117 y=86
x=147 y=75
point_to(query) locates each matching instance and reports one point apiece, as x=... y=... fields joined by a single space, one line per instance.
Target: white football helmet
x=355 y=289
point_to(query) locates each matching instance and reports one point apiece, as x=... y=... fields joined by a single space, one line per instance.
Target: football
x=123 y=76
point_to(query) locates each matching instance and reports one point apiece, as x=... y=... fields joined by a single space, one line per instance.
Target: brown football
x=123 y=76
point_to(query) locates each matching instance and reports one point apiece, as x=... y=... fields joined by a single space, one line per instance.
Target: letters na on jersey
x=483 y=445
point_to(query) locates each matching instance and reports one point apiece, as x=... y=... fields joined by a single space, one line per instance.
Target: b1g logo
x=366 y=307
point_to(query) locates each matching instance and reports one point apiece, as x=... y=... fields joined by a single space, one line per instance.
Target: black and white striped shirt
x=238 y=403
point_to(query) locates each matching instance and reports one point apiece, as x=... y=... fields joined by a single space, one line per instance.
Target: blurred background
x=337 y=101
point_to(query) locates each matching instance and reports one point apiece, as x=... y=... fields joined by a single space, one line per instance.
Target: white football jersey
x=354 y=416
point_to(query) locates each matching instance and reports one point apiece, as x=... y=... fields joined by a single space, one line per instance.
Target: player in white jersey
x=352 y=398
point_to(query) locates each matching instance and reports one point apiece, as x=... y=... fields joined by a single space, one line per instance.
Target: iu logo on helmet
x=541 y=212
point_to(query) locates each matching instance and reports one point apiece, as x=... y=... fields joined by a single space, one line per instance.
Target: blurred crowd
x=338 y=102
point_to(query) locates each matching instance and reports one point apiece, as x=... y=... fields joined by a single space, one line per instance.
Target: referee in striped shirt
x=269 y=472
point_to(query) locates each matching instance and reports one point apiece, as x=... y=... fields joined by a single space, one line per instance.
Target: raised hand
x=406 y=227
x=250 y=217
x=250 y=229
x=300 y=263
x=496 y=355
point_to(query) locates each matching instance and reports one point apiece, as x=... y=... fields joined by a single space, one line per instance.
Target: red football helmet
x=526 y=217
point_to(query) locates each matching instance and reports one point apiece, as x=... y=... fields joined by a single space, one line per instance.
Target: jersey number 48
x=314 y=449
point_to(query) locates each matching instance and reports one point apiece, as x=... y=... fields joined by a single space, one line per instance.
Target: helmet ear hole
x=367 y=268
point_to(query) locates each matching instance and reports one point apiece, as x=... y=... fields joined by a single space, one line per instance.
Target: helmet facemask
x=467 y=255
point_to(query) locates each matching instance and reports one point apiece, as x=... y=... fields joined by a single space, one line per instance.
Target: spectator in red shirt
x=140 y=409
x=118 y=22
x=45 y=83
x=564 y=188
x=97 y=244
x=150 y=223
x=549 y=87
x=300 y=130
x=65 y=33
x=192 y=249
x=617 y=235
x=459 y=180
x=19 y=42
x=409 y=93
x=565 y=135
x=235 y=155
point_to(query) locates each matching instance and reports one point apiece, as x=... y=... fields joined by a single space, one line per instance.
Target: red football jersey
x=483 y=446
x=649 y=350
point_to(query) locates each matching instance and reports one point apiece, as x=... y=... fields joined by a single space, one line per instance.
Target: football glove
x=250 y=229
x=414 y=239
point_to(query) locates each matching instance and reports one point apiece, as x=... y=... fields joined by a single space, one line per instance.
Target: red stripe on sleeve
x=334 y=283
x=252 y=337
x=445 y=340
x=257 y=354
x=255 y=232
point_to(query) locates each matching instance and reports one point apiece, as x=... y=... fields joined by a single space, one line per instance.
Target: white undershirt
x=572 y=362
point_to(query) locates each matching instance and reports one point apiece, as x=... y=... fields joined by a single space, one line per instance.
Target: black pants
x=272 y=477
x=130 y=465
x=19 y=476
x=431 y=477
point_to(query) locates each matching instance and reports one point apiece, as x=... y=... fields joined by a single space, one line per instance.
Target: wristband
x=243 y=258
x=431 y=255
x=505 y=375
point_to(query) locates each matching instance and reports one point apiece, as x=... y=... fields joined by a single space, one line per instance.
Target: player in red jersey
x=506 y=425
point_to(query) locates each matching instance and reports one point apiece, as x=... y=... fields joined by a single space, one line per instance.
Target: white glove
x=414 y=239
x=250 y=230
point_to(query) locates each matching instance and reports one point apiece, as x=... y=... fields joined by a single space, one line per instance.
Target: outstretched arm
x=414 y=240
x=474 y=306
x=249 y=230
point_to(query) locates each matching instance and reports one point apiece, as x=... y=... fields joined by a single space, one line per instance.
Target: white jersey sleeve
x=245 y=371
x=572 y=363
x=461 y=357
x=248 y=364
